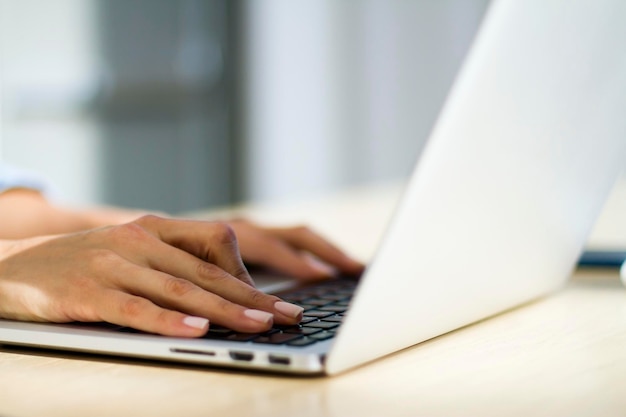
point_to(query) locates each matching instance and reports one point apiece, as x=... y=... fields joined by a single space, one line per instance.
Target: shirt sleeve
x=11 y=177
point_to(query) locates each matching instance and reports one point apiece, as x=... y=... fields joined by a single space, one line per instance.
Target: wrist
x=105 y=216
x=11 y=247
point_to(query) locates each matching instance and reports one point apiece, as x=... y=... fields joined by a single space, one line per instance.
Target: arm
x=27 y=213
x=297 y=251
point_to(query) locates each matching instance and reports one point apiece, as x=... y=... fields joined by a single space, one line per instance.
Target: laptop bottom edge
x=218 y=354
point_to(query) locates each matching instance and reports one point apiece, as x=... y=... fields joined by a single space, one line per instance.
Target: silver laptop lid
x=517 y=168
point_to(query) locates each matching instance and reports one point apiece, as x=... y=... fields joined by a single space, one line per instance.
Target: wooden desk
x=561 y=355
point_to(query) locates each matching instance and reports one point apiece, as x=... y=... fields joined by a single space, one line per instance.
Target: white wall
x=49 y=70
x=335 y=92
x=290 y=97
x=345 y=92
x=119 y=102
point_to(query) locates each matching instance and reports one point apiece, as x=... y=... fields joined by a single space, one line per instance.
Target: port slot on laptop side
x=193 y=351
x=279 y=360
x=241 y=356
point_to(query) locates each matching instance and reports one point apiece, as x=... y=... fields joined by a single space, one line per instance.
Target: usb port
x=241 y=356
x=279 y=360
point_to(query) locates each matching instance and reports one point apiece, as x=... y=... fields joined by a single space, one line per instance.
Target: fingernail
x=196 y=322
x=288 y=309
x=260 y=316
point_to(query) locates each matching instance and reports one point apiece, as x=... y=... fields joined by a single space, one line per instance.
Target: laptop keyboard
x=324 y=303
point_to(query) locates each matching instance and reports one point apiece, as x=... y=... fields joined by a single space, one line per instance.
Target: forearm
x=26 y=213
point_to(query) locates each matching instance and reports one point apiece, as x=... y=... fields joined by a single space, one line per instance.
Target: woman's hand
x=296 y=251
x=157 y=275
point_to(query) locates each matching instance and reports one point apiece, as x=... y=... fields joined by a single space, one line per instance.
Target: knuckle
x=223 y=233
x=210 y=271
x=257 y=297
x=132 y=307
x=178 y=287
x=127 y=232
x=149 y=219
x=215 y=275
x=162 y=319
x=242 y=273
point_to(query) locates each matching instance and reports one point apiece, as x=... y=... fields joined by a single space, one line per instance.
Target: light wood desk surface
x=561 y=355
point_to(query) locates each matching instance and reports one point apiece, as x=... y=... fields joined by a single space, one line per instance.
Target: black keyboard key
x=321 y=325
x=219 y=329
x=334 y=308
x=317 y=302
x=307 y=319
x=317 y=313
x=246 y=337
x=334 y=319
x=283 y=327
x=242 y=337
x=277 y=338
x=322 y=335
x=218 y=334
x=295 y=298
x=303 y=341
x=334 y=297
x=347 y=294
x=305 y=331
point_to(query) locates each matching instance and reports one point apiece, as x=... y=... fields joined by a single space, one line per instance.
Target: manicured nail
x=196 y=322
x=288 y=309
x=260 y=316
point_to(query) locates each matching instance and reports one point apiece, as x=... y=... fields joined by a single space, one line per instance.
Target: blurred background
x=177 y=105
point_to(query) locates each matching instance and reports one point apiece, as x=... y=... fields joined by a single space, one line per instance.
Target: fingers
x=212 y=242
x=276 y=254
x=178 y=280
x=298 y=252
x=137 y=312
x=199 y=285
x=303 y=238
x=164 y=304
x=184 y=296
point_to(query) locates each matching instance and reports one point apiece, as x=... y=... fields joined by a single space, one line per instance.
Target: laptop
x=517 y=168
